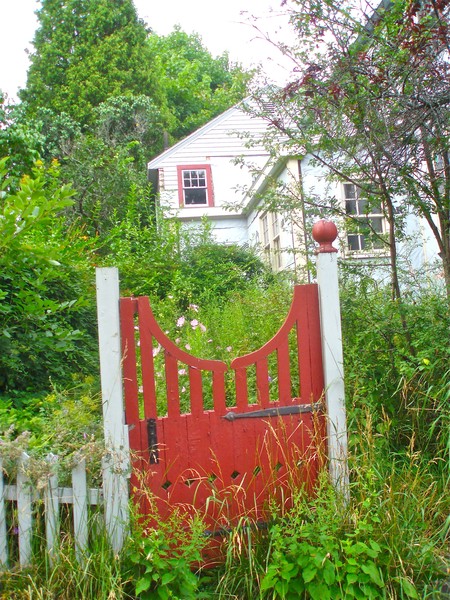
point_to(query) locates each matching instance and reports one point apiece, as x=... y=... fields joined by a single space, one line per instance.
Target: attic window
x=195 y=185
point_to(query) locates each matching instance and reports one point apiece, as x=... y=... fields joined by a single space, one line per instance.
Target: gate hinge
x=278 y=411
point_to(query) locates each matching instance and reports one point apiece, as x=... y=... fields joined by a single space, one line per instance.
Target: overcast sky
x=220 y=23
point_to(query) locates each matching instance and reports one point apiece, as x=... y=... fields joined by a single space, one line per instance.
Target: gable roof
x=209 y=127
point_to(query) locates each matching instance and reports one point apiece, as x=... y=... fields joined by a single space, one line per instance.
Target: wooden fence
x=22 y=501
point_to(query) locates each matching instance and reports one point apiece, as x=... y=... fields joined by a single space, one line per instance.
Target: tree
x=85 y=52
x=372 y=106
x=47 y=324
x=197 y=87
x=20 y=140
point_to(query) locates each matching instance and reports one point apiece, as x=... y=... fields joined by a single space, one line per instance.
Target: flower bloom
x=181 y=371
x=188 y=346
x=156 y=350
x=228 y=348
x=194 y=323
x=202 y=327
x=193 y=307
x=181 y=321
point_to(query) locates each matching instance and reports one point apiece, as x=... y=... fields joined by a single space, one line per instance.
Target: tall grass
x=97 y=574
x=390 y=541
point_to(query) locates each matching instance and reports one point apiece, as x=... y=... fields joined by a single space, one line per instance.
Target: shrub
x=47 y=316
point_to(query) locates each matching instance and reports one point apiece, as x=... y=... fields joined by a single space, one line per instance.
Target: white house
x=222 y=172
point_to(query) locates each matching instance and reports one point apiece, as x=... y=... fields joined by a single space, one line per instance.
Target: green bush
x=163 y=555
x=47 y=314
x=396 y=359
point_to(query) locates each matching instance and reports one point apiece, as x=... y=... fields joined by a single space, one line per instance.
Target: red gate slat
x=284 y=372
x=219 y=397
x=130 y=384
x=223 y=465
x=315 y=343
x=196 y=390
x=262 y=382
x=308 y=326
x=241 y=389
x=147 y=365
x=172 y=387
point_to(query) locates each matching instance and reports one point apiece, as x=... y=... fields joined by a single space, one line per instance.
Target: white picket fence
x=26 y=499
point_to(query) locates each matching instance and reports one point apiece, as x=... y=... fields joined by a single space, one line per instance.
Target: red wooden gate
x=238 y=442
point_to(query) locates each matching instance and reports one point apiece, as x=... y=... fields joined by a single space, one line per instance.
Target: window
x=195 y=185
x=365 y=225
x=270 y=230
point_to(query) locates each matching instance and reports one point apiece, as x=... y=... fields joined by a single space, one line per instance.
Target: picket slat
x=24 y=511
x=3 y=528
x=23 y=494
x=80 y=509
x=51 y=502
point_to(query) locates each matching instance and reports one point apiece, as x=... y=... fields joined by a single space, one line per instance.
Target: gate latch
x=278 y=411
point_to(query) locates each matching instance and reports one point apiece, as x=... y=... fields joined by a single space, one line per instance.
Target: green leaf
x=168 y=577
x=328 y=572
x=374 y=573
x=319 y=591
x=408 y=587
x=309 y=573
x=269 y=580
x=142 y=585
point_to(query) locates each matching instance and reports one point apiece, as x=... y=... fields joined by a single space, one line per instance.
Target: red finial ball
x=324 y=233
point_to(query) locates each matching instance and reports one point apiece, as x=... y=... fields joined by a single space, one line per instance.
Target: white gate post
x=324 y=233
x=116 y=464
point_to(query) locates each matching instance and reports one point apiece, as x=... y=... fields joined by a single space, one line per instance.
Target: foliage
x=46 y=322
x=371 y=106
x=97 y=50
x=59 y=131
x=103 y=96
x=196 y=86
x=313 y=556
x=168 y=260
x=100 y=52
x=211 y=269
x=106 y=177
x=374 y=547
x=122 y=120
x=99 y=576
x=405 y=379
x=389 y=542
x=22 y=142
x=65 y=422
x=163 y=555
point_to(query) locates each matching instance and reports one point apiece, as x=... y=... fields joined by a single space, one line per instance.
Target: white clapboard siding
x=217 y=144
x=23 y=496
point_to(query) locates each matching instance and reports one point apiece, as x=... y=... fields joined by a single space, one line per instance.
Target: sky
x=223 y=25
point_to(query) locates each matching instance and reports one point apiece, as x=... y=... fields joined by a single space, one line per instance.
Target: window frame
x=269 y=224
x=208 y=187
x=362 y=240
